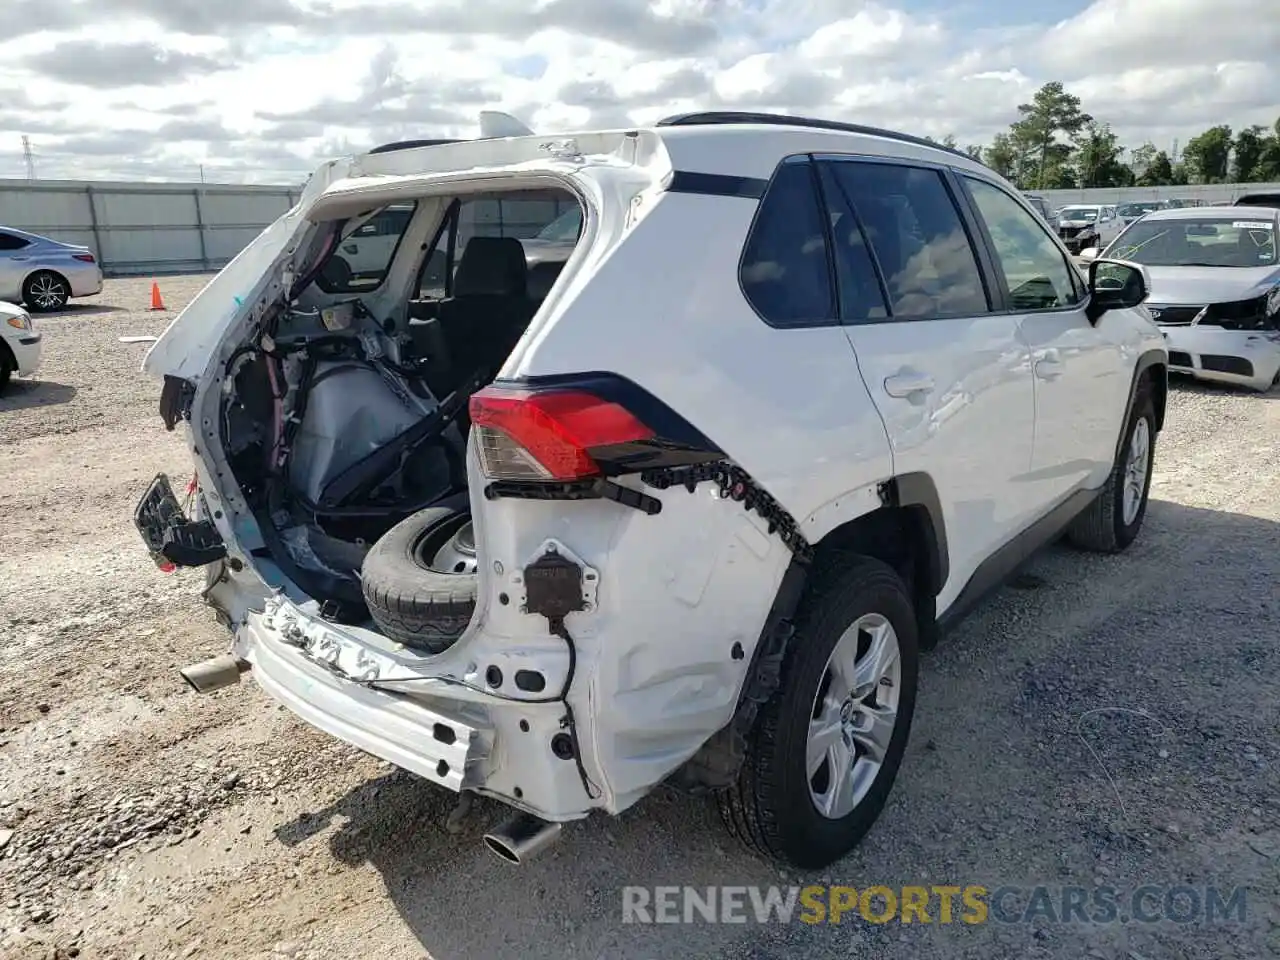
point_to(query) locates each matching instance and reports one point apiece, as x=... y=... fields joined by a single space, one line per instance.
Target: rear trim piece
x=716 y=185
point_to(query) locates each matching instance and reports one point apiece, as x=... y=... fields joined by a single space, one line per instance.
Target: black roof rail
x=410 y=145
x=711 y=117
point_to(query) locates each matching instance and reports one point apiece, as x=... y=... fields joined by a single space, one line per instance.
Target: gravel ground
x=1101 y=721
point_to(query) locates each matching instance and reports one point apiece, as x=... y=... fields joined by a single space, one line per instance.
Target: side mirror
x=1115 y=285
x=1089 y=254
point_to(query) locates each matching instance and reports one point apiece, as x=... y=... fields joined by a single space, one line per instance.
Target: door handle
x=906 y=382
x=1049 y=366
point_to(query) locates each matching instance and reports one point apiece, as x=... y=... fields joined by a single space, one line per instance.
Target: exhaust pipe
x=522 y=837
x=214 y=674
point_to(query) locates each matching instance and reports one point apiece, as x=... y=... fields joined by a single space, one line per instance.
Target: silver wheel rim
x=854 y=715
x=47 y=292
x=458 y=555
x=1135 y=470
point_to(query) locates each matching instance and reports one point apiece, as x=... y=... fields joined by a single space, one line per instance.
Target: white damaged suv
x=682 y=503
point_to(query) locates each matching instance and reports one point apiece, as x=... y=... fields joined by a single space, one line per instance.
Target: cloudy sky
x=260 y=90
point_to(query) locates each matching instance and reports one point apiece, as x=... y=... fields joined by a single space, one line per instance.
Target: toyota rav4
x=683 y=504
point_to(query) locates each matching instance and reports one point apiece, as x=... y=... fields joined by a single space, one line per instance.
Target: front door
x=949 y=375
x=1079 y=375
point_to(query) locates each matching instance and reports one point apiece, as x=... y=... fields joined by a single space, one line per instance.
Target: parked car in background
x=43 y=273
x=1215 y=289
x=1087 y=225
x=19 y=344
x=1258 y=200
x=1130 y=212
x=1044 y=208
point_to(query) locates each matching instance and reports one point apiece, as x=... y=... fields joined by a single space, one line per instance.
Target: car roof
x=722 y=142
x=1219 y=210
x=26 y=234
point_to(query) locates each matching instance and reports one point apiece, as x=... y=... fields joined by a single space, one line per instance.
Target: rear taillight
x=547 y=435
x=83 y=257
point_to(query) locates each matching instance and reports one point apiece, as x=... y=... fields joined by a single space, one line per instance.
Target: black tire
x=770 y=808
x=1101 y=527
x=411 y=603
x=45 y=291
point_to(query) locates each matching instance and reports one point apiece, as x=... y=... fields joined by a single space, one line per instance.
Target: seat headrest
x=492 y=266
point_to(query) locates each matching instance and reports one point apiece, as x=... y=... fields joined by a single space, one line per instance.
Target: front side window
x=1203 y=242
x=912 y=225
x=784 y=270
x=363 y=257
x=1035 y=270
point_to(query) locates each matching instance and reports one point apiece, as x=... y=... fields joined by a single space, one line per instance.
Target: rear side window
x=785 y=273
x=9 y=242
x=925 y=256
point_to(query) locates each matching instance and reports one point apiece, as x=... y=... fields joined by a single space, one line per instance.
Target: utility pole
x=29 y=157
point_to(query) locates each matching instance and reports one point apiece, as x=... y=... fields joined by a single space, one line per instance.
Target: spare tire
x=419 y=579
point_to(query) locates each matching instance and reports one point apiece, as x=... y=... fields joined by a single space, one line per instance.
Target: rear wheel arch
x=907 y=532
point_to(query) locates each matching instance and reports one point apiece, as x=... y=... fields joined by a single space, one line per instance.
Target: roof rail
x=711 y=117
x=410 y=145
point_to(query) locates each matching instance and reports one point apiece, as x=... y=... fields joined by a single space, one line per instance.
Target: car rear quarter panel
x=683 y=595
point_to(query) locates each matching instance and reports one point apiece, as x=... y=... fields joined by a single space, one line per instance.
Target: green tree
x=1268 y=169
x=1002 y=155
x=1158 y=172
x=1052 y=111
x=1141 y=158
x=1098 y=157
x=1247 y=153
x=975 y=151
x=1206 y=155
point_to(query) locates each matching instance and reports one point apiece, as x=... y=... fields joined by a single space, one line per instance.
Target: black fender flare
x=1148 y=360
x=918 y=491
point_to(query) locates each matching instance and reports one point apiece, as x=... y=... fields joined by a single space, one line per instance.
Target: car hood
x=10 y=310
x=1196 y=285
x=1076 y=223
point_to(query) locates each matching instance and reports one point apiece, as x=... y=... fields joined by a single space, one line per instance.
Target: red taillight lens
x=83 y=257
x=547 y=435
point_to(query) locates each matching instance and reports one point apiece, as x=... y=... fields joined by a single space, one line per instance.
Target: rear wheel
x=45 y=291
x=419 y=580
x=827 y=747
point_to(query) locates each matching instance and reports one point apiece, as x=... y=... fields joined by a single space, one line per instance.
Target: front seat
x=488 y=311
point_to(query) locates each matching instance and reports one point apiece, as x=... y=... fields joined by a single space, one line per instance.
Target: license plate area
x=172 y=539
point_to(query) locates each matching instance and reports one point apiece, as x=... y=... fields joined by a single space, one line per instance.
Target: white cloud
x=261 y=90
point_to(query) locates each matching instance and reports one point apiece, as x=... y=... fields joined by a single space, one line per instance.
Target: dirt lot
x=138 y=820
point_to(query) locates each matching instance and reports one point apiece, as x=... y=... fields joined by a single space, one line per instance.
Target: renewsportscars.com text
x=937 y=903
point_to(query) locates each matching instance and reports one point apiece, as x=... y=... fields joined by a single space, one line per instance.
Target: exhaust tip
x=521 y=838
x=214 y=673
x=501 y=849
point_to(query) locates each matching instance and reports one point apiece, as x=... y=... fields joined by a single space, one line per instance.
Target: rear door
x=947 y=369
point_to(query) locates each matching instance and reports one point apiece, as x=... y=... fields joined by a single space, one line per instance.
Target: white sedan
x=1215 y=288
x=19 y=344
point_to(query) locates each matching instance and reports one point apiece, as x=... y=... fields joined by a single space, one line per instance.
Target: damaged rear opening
x=344 y=410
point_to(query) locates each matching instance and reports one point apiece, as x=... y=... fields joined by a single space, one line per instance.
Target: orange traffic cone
x=156 y=302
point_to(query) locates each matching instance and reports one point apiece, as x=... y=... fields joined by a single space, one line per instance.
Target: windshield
x=1088 y=214
x=1211 y=242
x=1137 y=209
x=563 y=229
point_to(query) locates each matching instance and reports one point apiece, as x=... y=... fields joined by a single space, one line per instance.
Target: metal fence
x=146 y=228
x=1208 y=193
